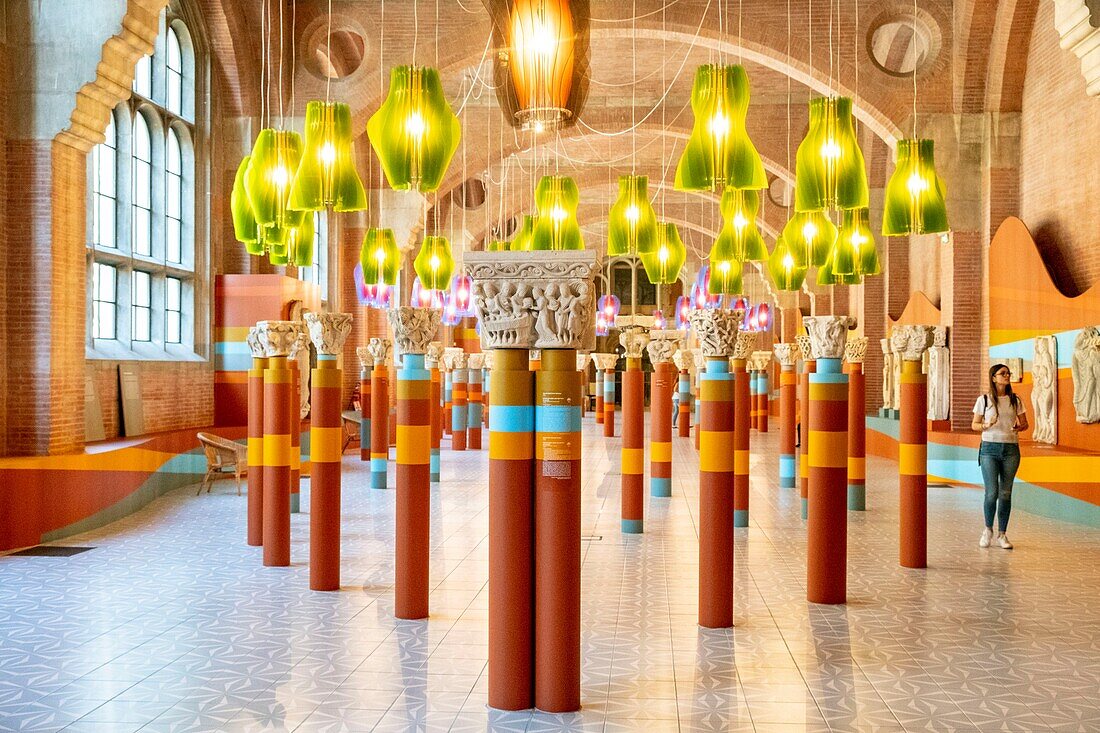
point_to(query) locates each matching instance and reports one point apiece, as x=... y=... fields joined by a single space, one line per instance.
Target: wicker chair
x=223 y=456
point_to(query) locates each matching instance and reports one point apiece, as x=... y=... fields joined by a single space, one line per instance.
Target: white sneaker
x=1002 y=541
x=987 y=535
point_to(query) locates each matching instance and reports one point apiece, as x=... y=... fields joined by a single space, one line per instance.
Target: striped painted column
x=557 y=533
x=683 y=386
x=786 y=354
x=754 y=397
x=763 y=391
x=599 y=396
x=583 y=359
x=634 y=340
x=448 y=391
x=854 y=352
x=366 y=363
x=742 y=422
x=255 y=509
x=486 y=383
x=910 y=343
x=329 y=331
x=661 y=347
x=809 y=365
x=295 y=408
x=827 y=524
x=459 y=404
x=413 y=329
x=512 y=532
x=605 y=405
x=278 y=335
x=431 y=361
x=380 y=413
x=700 y=365
x=474 y=411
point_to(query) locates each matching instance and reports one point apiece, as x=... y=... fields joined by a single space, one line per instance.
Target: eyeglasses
x=1003 y=373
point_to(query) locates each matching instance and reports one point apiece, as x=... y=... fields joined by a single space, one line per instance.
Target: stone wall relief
x=1085 y=367
x=939 y=376
x=887 y=374
x=1044 y=390
x=1015 y=366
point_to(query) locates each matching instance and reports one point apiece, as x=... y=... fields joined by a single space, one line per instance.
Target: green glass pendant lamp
x=414 y=132
x=245 y=228
x=810 y=236
x=829 y=165
x=497 y=245
x=274 y=158
x=434 y=263
x=725 y=269
x=557 y=228
x=915 y=196
x=379 y=257
x=783 y=267
x=740 y=236
x=719 y=153
x=631 y=222
x=522 y=241
x=326 y=176
x=664 y=263
x=300 y=242
x=854 y=242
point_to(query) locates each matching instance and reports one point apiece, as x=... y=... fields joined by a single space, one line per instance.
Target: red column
x=599 y=395
x=741 y=426
x=788 y=398
x=808 y=368
x=683 y=419
x=474 y=412
x=325 y=452
x=276 y=527
x=256 y=451
x=436 y=417
x=459 y=416
x=827 y=526
x=609 y=403
x=716 y=464
x=857 y=437
x=511 y=532
x=412 y=514
x=660 y=428
x=365 y=366
x=913 y=466
x=295 y=410
x=379 y=425
x=633 y=448
x=764 y=397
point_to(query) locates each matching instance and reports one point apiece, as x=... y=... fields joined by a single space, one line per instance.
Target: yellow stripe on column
x=660 y=452
x=414 y=444
x=714 y=455
x=912 y=459
x=255 y=451
x=511 y=446
x=857 y=468
x=326 y=444
x=633 y=460
x=277 y=450
x=741 y=461
x=828 y=449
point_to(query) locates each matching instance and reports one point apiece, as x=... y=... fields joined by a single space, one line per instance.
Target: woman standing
x=999 y=415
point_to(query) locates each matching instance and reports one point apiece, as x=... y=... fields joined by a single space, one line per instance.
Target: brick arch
x=1008 y=56
x=230 y=63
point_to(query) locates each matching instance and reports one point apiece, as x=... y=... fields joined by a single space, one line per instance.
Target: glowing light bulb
x=632 y=213
x=724 y=267
x=279 y=176
x=380 y=255
x=809 y=231
x=662 y=254
x=415 y=125
x=788 y=262
x=434 y=262
x=539 y=126
x=916 y=184
x=328 y=154
x=543 y=39
x=719 y=124
x=558 y=213
x=739 y=221
x=830 y=150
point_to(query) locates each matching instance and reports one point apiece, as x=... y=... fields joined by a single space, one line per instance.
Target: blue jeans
x=999 y=462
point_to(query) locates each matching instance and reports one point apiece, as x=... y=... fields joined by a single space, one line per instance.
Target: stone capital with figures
x=663 y=344
x=542 y=299
x=911 y=341
x=805 y=347
x=257 y=349
x=476 y=361
x=785 y=354
x=634 y=339
x=300 y=345
x=828 y=335
x=489 y=359
x=583 y=357
x=366 y=361
x=698 y=359
x=605 y=362
x=716 y=330
x=939 y=336
x=855 y=349
x=682 y=360
x=460 y=360
x=277 y=337
x=380 y=350
x=760 y=361
x=328 y=331
x=433 y=355
x=413 y=328
x=449 y=355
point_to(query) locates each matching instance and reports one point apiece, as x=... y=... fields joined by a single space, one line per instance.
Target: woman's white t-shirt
x=1001 y=431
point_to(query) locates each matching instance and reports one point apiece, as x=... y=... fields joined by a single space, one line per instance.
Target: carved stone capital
x=583 y=357
x=476 y=361
x=698 y=359
x=716 y=330
x=276 y=337
x=301 y=344
x=805 y=347
x=328 y=331
x=633 y=340
x=542 y=299
x=682 y=360
x=259 y=351
x=489 y=359
x=366 y=361
x=662 y=346
x=605 y=361
x=746 y=343
x=460 y=360
x=884 y=344
x=785 y=354
x=911 y=341
x=939 y=336
x=449 y=355
x=828 y=334
x=413 y=328
x=433 y=355
x=855 y=349
x=380 y=349
x=636 y=319
x=760 y=361
x=535 y=355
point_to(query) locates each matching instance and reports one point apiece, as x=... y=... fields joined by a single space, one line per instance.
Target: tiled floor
x=172 y=624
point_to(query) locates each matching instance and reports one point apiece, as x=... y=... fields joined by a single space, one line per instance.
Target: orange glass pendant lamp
x=915 y=196
x=379 y=257
x=719 y=153
x=434 y=264
x=274 y=158
x=631 y=222
x=810 y=236
x=414 y=132
x=663 y=264
x=783 y=268
x=541 y=38
x=740 y=237
x=829 y=166
x=556 y=227
x=326 y=176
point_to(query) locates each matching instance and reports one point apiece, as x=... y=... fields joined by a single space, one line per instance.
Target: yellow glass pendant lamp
x=915 y=196
x=326 y=177
x=300 y=242
x=855 y=245
x=719 y=153
x=725 y=270
x=541 y=39
x=274 y=158
x=414 y=132
x=663 y=264
x=810 y=236
x=434 y=263
x=245 y=228
x=522 y=241
x=379 y=257
x=631 y=222
x=740 y=235
x=783 y=268
x=556 y=228
x=829 y=166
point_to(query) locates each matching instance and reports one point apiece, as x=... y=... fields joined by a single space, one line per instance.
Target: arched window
x=141 y=210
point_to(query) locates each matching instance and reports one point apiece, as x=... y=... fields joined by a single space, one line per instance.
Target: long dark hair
x=1012 y=396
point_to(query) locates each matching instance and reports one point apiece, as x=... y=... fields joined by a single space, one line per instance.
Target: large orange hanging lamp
x=541 y=38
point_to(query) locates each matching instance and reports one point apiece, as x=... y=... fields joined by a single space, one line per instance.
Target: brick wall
x=1059 y=158
x=176 y=394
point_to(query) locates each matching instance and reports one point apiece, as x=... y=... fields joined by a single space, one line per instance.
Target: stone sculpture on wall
x=1086 y=375
x=895 y=381
x=939 y=375
x=1015 y=366
x=1044 y=390
x=887 y=374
